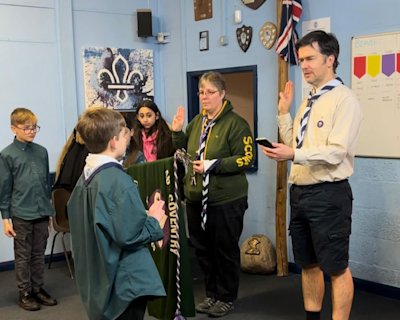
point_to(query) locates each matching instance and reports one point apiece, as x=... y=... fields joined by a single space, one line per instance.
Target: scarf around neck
x=150 y=146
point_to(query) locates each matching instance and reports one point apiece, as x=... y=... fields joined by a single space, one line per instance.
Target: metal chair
x=60 y=221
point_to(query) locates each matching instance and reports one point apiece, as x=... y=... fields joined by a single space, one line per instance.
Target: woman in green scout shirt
x=221 y=145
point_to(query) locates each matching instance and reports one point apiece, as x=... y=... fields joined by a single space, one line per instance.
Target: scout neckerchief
x=306 y=115
x=205 y=130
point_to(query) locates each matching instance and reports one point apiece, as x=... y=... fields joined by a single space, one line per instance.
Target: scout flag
x=156 y=181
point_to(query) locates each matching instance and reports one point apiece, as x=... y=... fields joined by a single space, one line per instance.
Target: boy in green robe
x=110 y=228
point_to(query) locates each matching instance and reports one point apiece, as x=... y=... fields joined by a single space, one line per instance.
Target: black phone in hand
x=264 y=142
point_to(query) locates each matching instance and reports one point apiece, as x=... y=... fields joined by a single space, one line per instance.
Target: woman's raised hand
x=179 y=119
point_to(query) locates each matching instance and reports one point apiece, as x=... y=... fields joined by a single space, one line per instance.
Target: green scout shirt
x=24 y=181
x=110 y=231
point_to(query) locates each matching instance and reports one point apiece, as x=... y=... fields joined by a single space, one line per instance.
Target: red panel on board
x=398 y=63
x=360 y=66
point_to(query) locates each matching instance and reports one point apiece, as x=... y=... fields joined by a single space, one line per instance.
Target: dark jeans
x=29 y=248
x=217 y=247
x=135 y=310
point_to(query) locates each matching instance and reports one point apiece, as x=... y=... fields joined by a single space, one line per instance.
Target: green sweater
x=24 y=181
x=230 y=140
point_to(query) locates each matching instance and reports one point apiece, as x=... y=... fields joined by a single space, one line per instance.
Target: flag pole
x=281 y=178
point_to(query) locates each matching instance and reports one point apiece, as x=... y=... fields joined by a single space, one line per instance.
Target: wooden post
x=281 y=178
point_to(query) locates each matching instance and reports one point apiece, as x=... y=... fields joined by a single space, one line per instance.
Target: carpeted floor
x=260 y=297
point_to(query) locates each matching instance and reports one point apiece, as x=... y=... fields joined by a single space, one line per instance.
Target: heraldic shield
x=244 y=35
x=253 y=4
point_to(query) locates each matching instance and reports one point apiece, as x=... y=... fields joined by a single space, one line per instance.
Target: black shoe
x=44 y=298
x=27 y=301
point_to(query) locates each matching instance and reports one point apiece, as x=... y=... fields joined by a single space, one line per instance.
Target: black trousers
x=217 y=247
x=29 y=249
x=135 y=310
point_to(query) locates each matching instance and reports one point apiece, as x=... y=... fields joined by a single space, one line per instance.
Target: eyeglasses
x=30 y=129
x=206 y=93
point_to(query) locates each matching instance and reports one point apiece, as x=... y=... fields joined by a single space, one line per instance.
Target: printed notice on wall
x=375 y=79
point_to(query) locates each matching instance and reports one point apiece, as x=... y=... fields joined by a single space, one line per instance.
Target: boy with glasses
x=25 y=207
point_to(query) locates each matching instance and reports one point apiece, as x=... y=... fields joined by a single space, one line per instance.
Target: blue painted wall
x=41 y=45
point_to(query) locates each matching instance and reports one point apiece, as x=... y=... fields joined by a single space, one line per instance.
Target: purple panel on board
x=388 y=64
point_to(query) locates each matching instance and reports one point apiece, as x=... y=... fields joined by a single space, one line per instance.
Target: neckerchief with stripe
x=306 y=114
x=206 y=128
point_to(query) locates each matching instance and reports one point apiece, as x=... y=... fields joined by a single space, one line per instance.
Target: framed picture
x=203 y=40
x=117 y=78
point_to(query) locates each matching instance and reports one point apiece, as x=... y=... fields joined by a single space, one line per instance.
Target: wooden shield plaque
x=253 y=4
x=202 y=9
x=244 y=35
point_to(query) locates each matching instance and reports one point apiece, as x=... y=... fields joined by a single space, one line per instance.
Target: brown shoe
x=27 y=302
x=44 y=298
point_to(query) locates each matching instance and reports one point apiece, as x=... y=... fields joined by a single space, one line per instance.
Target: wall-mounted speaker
x=144 y=23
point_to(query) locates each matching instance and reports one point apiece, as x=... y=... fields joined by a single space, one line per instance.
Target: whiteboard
x=375 y=78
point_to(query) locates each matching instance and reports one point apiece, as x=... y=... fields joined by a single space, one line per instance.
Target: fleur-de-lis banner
x=117 y=78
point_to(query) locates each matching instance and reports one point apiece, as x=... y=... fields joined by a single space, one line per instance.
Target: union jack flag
x=285 y=47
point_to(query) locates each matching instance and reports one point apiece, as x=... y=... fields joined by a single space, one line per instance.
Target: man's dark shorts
x=320 y=224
